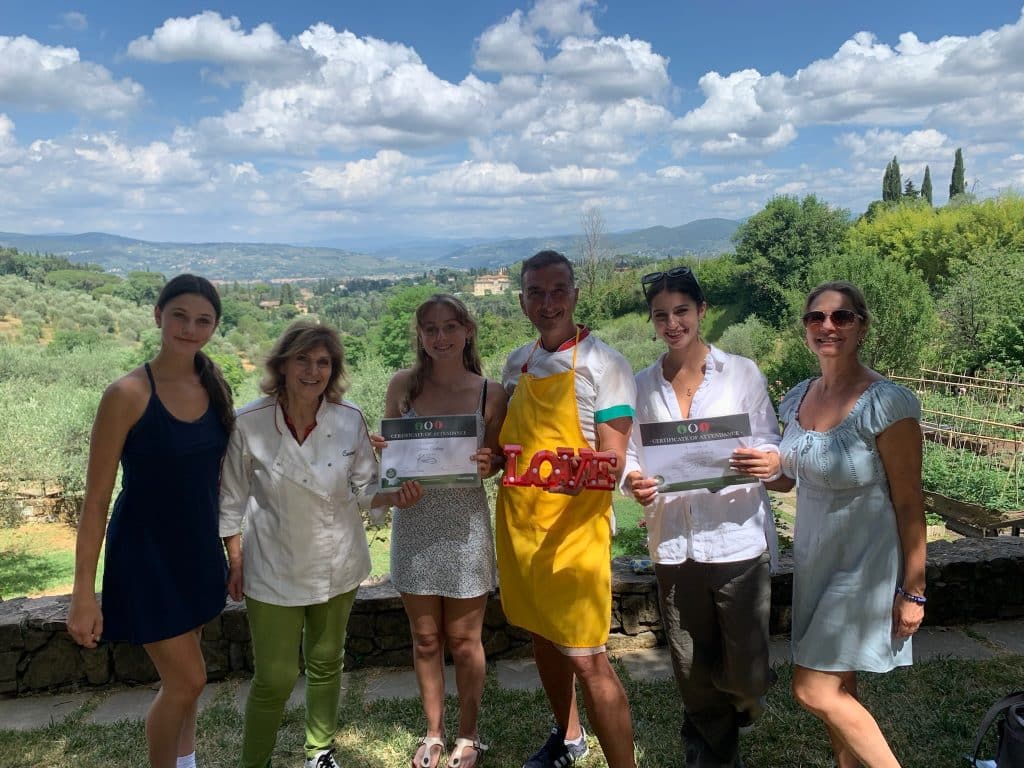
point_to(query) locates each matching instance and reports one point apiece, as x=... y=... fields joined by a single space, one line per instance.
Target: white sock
x=187 y=761
x=579 y=740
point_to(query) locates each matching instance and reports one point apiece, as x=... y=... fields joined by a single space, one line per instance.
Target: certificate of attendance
x=434 y=450
x=690 y=454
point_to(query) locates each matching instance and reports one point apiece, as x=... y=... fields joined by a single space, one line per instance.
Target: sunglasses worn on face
x=841 y=318
x=675 y=273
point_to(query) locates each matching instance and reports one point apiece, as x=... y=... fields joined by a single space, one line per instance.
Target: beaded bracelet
x=919 y=599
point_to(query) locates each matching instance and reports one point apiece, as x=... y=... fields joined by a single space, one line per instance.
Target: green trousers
x=276 y=633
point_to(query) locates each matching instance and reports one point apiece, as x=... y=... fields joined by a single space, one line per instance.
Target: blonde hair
x=423 y=364
x=302 y=336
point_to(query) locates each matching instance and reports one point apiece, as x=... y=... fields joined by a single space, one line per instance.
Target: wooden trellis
x=982 y=420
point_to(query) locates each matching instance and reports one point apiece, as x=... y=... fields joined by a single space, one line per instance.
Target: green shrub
x=752 y=338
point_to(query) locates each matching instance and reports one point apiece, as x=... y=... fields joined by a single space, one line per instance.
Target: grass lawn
x=929 y=713
x=38 y=559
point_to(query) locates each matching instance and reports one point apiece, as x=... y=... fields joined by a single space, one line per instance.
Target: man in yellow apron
x=568 y=389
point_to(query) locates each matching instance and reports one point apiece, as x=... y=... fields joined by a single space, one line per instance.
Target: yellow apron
x=554 y=550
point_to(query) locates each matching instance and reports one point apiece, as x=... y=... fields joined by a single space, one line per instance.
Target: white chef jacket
x=732 y=524
x=304 y=540
x=603 y=384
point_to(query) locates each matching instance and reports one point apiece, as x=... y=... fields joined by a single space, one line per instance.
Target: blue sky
x=350 y=121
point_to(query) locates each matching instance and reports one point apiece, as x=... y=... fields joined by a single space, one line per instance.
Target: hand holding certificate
x=438 y=451
x=685 y=455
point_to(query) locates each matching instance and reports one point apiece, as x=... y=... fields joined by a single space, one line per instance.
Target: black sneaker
x=556 y=753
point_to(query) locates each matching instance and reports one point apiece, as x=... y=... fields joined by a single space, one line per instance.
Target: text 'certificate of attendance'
x=684 y=455
x=435 y=451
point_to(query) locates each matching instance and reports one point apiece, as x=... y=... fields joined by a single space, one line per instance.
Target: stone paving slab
x=296 y=699
x=517 y=674
x=648 y=665
x=28 y=712
x=936 y=642
x=401 y=684
x=129 y=704
x=1009 y=634
x=779 y=650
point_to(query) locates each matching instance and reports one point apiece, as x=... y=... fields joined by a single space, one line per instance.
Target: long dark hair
x=209 y=374
x=423 y=364
x=302 y=336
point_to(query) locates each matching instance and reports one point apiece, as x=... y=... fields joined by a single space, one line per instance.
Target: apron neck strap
x=575 y=347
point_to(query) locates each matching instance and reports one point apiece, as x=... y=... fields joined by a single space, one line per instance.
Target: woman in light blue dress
x=852 y=445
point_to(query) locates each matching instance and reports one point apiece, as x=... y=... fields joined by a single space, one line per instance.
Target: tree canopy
x=777 y=246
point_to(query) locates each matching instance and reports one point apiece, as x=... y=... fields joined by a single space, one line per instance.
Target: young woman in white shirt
x=300 y=468
x=712 y=550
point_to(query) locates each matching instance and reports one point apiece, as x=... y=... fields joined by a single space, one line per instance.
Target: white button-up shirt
x=736 y=522
x=304 y=540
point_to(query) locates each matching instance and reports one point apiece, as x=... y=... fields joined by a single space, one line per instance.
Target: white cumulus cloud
x=364 y=92
x=156 y=163
x=509 y=46
x=747 y=182
x=362 y=179
x=50 y=78
x=74 y=20
x=867 y=81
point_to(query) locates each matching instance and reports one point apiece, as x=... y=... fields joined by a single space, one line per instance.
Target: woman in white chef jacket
x=299 y=469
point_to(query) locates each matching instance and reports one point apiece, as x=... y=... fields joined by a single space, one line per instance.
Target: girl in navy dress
x=165 y=575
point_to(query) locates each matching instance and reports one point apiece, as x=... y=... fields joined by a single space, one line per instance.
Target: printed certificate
x=684 y=455
x=433 y=450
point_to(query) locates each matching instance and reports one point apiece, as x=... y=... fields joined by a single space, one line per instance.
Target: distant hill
x=267 y=261
x=224 y=261
x=703 y=237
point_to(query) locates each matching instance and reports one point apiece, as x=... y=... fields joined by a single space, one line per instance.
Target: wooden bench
x=972 y=519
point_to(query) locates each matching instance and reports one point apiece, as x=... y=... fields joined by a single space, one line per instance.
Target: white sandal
x=455 y=761
x=429 y=742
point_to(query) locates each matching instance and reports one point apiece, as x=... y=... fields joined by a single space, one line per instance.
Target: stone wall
x=968 y=580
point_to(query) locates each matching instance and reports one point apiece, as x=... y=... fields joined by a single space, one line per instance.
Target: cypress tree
x=926 y=185
x=895 y=181
x=956 y=184
x=886 y=182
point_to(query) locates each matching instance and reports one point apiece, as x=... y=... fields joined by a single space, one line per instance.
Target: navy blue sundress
x=164 y=571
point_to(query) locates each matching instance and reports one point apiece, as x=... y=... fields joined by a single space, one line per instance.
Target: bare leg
x=170 y=722
x=844 y=756
x=187 y=740
x=607 y=708
x=463 y=625
x=426 y=619
x=825 y=695
x=559 y=681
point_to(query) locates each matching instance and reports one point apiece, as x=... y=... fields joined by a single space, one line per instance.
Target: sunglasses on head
x=672 y=274
x=841 y=318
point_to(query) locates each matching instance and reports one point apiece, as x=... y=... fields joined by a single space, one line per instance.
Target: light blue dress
x=846 y=546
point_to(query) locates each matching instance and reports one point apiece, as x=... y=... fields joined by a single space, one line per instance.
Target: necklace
x=685 y=382
x=691 y=389
x=691 y=383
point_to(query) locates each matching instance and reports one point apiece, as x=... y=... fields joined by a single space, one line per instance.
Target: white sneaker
x=324 y=759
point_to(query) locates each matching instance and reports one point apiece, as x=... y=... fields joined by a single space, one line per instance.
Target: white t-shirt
x=605 y=388
x=736 y=522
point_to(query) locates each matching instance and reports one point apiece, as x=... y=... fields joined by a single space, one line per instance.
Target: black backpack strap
x=993 y=712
